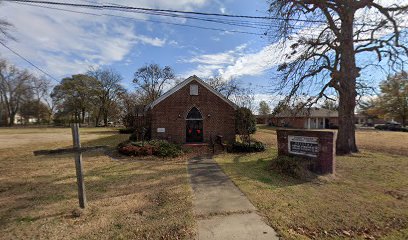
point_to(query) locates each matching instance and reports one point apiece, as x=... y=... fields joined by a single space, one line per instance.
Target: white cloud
x=236 y=62
x=213 y=64
x=64 y=43
x=256 y=63
x=157 y=42
x=252 y=64
x=203 y=71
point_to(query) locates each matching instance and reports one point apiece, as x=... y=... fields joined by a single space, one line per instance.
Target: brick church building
x=191 y=112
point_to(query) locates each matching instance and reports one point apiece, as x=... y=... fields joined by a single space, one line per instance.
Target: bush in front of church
x=166 y=149
x=135 y=149
x=160 y=148
x=245 y=123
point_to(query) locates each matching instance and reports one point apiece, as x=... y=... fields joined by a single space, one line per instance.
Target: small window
x=194 y=89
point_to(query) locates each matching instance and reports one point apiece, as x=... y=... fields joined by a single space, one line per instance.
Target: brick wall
x=326 y=158
x=300 y=122
x=218 y=115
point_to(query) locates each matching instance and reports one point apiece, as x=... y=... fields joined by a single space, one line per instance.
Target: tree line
x=392 y=102
x=94 y=98
x=23 y=93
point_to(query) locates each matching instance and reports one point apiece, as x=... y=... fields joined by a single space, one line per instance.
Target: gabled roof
x=185 y=83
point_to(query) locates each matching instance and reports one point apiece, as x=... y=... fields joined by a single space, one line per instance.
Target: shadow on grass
x=104 y=182
x=52 y=194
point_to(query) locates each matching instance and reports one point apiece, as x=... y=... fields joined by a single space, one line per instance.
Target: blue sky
x=66 y=43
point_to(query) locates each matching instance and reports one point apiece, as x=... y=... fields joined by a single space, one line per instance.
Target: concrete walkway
x=222 y=210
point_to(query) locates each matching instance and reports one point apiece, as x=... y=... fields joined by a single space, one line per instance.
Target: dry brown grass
x=372 y=140
x=383 y=141
x=366 y=199
x=12 y=137
x=127 y=198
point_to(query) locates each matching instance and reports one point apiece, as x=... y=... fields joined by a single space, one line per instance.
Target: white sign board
x=161 y=130
x=306 y=146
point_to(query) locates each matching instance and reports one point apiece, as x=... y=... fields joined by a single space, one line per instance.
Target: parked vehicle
x=391 y=126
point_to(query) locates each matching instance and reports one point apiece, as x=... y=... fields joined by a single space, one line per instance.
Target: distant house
x=18 y=119
x=191 y=112
x=313 y=118
x=262 y=119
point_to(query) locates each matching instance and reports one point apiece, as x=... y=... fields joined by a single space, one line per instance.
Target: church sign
x=301 y=145
x=161 y=130
x=318 y=146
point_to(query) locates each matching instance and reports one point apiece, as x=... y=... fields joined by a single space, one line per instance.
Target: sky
x=66 y=43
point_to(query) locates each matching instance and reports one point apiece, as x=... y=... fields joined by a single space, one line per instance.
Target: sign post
x=78 y=165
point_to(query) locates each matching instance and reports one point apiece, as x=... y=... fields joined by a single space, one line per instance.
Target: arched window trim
x=194 y=117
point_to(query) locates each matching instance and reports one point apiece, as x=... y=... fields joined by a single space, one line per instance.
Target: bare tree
x=41 y=87
x=224 y=86
x=130 y=102
x=108 y=92
x=264 y=108
x=244 y=97
x=14 y=88
x=325 y=37
x=152 y=79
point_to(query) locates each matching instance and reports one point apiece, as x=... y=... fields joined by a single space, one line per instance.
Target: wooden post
x=78 y=165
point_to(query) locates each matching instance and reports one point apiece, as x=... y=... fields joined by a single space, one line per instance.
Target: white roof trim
x=184 y=83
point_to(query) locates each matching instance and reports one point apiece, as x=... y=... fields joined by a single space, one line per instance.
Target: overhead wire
x=28 y=61
x=167 y=11
x=143 y=20
x=157 y=21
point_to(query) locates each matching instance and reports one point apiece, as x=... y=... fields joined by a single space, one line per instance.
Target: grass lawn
x=145 y=198
x=368 y=197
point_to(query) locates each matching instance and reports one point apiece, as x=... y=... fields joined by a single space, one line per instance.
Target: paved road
x=222 y=210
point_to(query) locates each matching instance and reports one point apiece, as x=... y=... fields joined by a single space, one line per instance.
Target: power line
x=163 y=12
x=102 y=6
x=156 y=21
x=142 y=20
x=28 y=61
x=248 y=24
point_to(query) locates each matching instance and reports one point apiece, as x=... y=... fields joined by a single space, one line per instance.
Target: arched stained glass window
x=194 y=114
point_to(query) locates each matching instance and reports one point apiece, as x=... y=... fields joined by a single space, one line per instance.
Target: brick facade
x=325 y=161
x=302 y=122
x=170 y=114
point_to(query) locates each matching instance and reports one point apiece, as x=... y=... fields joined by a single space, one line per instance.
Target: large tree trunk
x=346 y=139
